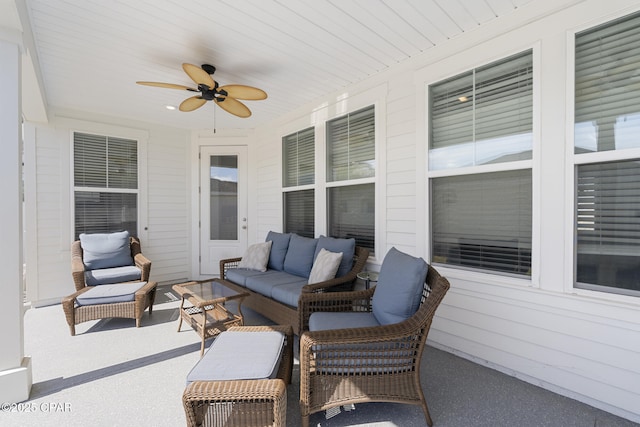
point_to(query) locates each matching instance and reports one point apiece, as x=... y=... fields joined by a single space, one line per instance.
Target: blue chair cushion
x=278 y=249
x=300 y=255
x=240 y=356
x=105 y=276
x=346 y=246
x=105 y=250
x=323 y=321
x=110 y=294
x=399 y=289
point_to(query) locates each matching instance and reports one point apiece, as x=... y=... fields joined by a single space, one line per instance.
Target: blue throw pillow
x=346 y=246
x=299 y=259
x=399 y=290
x=278 y=249
x=105 y=250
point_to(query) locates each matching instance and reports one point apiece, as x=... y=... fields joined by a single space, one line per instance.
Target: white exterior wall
x=582 y=344
x=163 y=211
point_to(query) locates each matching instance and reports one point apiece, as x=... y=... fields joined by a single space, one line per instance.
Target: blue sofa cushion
x=323 y=321
x=265 y=282
x=105 y=276
x=300 y=255
x=240 y=356
x=399 y=290
x=240 y=275
x=110 y=294
x=288 y=293
x=105 y=250
x=278 y=249
x=346 y=246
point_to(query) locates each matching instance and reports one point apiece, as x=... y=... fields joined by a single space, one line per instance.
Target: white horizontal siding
x=168 y=199
x=538 y=330
x=543 y=341
x=265 y=201
x=167 y=227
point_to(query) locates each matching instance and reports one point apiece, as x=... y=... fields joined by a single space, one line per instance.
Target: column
x=15 y=368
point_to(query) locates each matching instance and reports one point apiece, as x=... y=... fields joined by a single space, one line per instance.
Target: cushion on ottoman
x=240 y=356
x=109 y=294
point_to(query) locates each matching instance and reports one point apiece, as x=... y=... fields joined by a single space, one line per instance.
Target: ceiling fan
x=225 y=96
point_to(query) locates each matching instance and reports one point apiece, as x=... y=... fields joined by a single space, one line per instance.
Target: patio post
x=15 y=368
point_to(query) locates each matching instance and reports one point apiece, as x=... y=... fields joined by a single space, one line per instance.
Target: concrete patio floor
x=114 y=374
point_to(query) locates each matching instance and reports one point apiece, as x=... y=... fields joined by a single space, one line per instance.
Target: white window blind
x=483 y=221
x=608 y=225
x=483 y=116
x=105 y=184
x=351 y=146
x=299 y=209
x=351 y=213
x=298 y=169
x=298 y=158
x=607 y=117
x=607 y=89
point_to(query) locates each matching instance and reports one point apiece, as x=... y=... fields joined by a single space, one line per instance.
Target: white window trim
x=142 y=137
x=335 y=107
x=424 y=175
x=573 y=160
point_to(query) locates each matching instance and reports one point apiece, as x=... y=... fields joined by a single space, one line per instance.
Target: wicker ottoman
x=242 y=402
x=129 y=303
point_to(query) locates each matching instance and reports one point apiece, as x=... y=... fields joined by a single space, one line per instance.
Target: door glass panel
x=223 y=174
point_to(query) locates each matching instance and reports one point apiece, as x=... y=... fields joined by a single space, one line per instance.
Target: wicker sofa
x=292 y=263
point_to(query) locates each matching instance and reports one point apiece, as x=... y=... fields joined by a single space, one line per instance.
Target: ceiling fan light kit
x=224 y=96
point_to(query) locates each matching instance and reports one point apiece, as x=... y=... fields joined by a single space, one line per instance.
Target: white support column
x=15 y=368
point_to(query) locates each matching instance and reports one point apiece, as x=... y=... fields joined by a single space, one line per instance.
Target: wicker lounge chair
x=78 y=269
x=141 y=297
x=364 y=364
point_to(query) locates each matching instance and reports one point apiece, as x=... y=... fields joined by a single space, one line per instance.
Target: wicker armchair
x=364 y=364
x=143 y=297
x=78 y=269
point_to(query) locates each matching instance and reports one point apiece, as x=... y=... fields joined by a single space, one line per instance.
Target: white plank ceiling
x=91 y=52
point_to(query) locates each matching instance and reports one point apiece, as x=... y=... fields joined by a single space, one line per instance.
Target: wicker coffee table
x=206 y=311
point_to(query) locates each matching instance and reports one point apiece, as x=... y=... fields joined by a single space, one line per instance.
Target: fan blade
x=192 y=103
x=233 y=106
x=198 y=75
x=167 y=85
x=244 y=92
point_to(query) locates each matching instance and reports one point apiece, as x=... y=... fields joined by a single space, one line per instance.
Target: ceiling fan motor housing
x=208 y=68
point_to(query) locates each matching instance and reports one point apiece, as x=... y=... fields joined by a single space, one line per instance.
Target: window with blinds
x=351 y=146
x=608 y=226
x=483 y=116
x=105 y=184
x=607 y=89
x=607 y=118
x=351 y=155
x=298 y=158
x=483 y=221
x=298 y=169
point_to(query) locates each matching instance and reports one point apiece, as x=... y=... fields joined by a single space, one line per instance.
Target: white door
x=223 y=205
